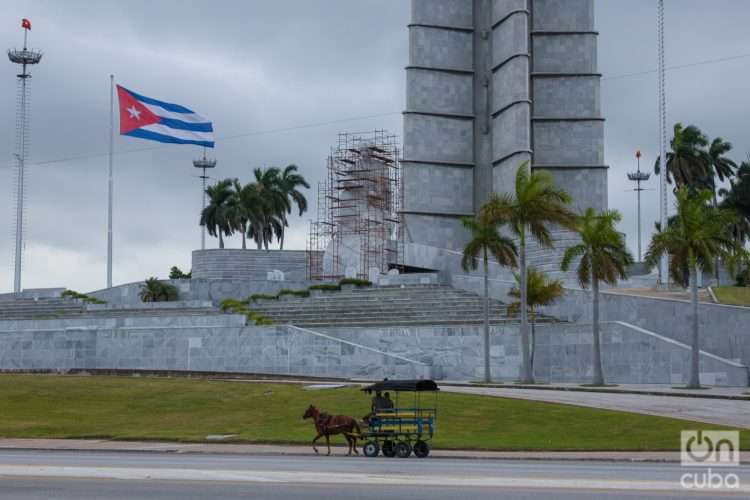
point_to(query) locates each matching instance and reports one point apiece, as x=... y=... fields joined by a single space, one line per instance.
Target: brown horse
x=329 y=425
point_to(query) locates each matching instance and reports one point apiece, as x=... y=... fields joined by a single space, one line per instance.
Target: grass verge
x=131 y=408
x=733 y=295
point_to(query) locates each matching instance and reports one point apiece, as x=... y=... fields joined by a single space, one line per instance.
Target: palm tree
x=274 y=203
x=723 y=168
x=541 y=291
x=603 y=257
x=737 y=199
x=535 y=204
x=485 y=240
x=215 y=216
x=688 y=162
x=238 y=212
x=698 y=234
x=289 y=180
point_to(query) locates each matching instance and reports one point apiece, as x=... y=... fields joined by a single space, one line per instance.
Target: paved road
x=715 y=411
x=28 y=475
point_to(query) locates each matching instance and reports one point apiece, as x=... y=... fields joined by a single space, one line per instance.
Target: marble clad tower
x=491 y=83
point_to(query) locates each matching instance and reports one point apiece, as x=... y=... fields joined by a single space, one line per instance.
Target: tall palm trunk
x=221 y=239
x=533 y=339
x=716 y=262
x=487 y=374
x=527 y=376
x=695 y=381
x=598 y=378
x=244 y=237
x=281 y=239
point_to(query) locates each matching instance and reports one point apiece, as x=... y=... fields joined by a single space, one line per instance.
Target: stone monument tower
x=490 y=84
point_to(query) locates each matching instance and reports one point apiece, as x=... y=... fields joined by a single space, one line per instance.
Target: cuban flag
x=147 y=118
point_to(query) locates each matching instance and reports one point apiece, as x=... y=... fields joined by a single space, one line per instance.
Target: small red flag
x=25 y=24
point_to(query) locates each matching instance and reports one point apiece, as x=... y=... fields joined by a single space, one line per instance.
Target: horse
x=329 y=425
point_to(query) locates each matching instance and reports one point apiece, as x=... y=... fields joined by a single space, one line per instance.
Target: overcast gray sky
x=279 y=79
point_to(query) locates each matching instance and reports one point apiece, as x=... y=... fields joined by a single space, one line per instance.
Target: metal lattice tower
x=663 y=195
x=639 y=177
x=204 y=164
x=25 y=58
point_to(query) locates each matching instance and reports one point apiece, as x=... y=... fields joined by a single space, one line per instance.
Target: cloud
x=259 y=66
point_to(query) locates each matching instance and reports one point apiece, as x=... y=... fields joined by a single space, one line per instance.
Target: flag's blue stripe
x=179 y=124
x=153 y=136
x=175 y=108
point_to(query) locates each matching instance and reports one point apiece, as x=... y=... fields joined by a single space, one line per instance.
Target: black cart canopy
x=402 y=386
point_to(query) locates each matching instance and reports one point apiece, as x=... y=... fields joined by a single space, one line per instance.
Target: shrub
x=83 y=297
x=241 y=307
x=296 y=293
x=153 y=290
x=326 y=287
x=176 y=274
x=263 y=296
x=743 y=278
x=232 y=304
x=355 y=281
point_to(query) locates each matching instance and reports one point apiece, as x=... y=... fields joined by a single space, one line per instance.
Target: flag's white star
x=134 y=113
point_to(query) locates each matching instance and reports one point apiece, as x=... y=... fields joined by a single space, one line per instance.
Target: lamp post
x=639 y=177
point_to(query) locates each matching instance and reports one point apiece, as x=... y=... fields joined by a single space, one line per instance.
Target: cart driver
x=387 y=402
x=378 y=402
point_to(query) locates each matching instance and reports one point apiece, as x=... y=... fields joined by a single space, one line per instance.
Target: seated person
x=378 y=402
x=387 y=402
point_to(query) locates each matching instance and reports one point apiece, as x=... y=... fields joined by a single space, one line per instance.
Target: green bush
x=232 y=304
x=296 y=293
x=176 y=274
x=263 y=296
x=83 y=297
x=355 y=281
x=326 y=287
x=153 y=290
x=241 y=307
x=743 y=278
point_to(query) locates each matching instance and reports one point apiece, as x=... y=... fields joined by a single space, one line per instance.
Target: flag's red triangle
x=133 y=114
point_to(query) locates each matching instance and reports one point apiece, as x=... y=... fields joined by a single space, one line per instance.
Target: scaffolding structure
x=358 y=227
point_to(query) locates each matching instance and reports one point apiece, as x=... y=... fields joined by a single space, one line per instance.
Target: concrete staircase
x=58 y=308
x=385 y=306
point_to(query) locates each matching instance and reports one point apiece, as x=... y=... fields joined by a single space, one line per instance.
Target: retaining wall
x=630 y=355
x=724 y=330
x=250 y=349
x=248 y=264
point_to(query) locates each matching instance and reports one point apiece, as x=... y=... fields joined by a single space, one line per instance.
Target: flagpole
x=111 y=152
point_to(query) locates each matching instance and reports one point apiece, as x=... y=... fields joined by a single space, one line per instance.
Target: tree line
x=702 y=230
x=257 y=210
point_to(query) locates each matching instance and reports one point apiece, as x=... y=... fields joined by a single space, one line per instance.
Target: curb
x=281 y=453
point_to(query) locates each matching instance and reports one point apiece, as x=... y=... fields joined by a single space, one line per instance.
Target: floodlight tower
x=204 y=163
x=24 y=58
x=663 y=195
x=639 y=177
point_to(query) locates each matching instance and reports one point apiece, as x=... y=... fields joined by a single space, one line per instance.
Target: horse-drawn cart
x=405 y=427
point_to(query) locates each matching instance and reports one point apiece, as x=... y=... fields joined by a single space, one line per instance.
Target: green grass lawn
x=45 y=406
x=733 y=295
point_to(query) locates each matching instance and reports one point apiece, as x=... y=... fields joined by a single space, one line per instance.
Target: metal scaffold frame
x=359 y=205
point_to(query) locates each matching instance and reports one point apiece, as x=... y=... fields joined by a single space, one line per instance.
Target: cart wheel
x=389 y=449
x=403 y=449
x=421 y=449
x=371 y=449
